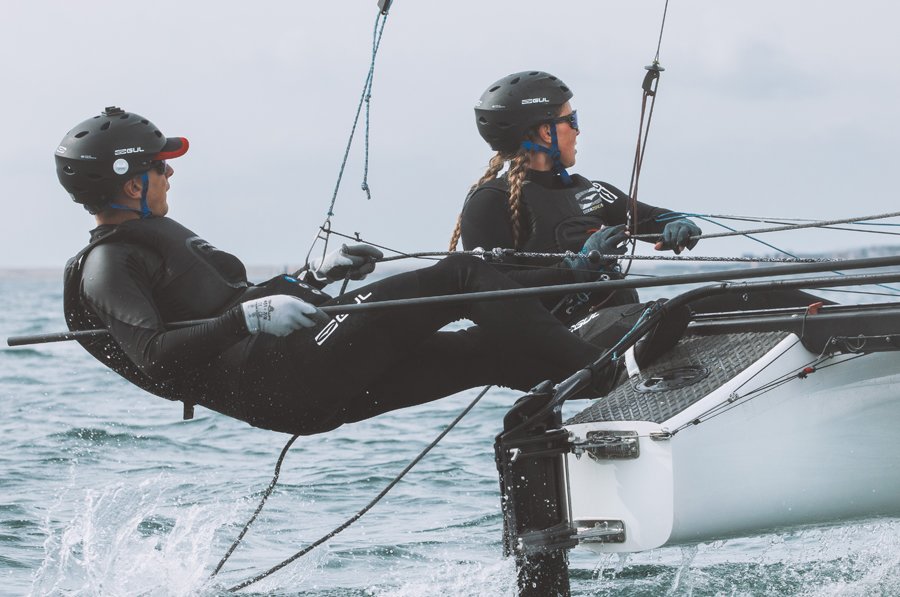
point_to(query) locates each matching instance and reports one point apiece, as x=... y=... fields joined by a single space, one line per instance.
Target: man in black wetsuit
x=267 y=355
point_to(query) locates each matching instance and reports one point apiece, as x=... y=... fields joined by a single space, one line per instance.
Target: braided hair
x=515 y=176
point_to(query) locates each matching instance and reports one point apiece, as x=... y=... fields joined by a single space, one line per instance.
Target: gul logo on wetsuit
x=332 y=325
x=591 y=199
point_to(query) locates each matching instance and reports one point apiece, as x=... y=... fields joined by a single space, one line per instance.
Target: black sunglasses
x=159 y=166
x=571 y=119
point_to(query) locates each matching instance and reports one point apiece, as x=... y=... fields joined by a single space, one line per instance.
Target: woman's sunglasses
x=571 y=119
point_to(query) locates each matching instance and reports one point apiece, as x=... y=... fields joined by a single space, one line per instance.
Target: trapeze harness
x=556 y=218
x=561 y=218
x=180 y=264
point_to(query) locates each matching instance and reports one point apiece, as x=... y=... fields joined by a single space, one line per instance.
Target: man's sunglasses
x=159 y=166
x=571 y=119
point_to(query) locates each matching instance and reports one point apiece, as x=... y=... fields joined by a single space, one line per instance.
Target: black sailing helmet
x=515 y=104
x=102 y=153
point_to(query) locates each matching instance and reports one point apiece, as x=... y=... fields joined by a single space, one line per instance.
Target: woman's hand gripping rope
x=608 y=241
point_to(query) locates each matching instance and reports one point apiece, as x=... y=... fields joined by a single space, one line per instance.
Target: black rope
x=271 y=486
x=368 y=506
x=259 y=508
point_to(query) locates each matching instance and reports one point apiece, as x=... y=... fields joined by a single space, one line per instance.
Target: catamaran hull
x=777 y=445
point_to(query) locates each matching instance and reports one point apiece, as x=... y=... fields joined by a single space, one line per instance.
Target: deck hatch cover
x=671 y=379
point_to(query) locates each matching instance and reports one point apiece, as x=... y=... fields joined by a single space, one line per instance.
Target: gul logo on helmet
x=535 y=100
x=127 y=150
x=120 y=166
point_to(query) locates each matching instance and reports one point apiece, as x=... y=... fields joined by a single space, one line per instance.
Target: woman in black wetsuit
x=536 y=205
x=269 y=356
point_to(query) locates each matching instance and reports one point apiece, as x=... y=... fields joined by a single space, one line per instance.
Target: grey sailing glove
x=679 y=235
x=602 y=242
x=280 y=314
x=354 y=262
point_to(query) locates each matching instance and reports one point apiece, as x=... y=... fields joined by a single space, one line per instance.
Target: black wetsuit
x=143 y=273
x=554 y=218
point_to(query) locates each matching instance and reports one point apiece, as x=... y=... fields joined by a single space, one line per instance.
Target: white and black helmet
x=99 y=155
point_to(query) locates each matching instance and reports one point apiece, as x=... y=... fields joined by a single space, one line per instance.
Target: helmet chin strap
x=144 y=211
x=553 y=152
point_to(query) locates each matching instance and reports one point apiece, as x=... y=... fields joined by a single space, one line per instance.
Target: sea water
x=104 y=490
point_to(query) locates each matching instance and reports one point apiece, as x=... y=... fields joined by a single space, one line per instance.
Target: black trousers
x=367 y=363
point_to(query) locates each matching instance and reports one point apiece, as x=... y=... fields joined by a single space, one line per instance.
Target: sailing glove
x=679 y=235
x=354 y=262
x=602 y=242
x=280 y=315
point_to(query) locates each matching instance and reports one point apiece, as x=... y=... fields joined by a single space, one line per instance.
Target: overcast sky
x=766 y=108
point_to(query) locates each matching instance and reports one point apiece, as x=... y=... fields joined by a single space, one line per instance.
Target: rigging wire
x=649 y=86
x=747 y=235
x=777 y=220
x=501 y=253
x=364 y=99
x=781 y=228
x=735 y=400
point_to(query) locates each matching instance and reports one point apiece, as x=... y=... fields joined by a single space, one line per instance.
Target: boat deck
x=696 y=366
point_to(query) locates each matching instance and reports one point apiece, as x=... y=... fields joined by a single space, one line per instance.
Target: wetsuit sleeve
x=486 y=223
x=117 y=285
x=616 y=204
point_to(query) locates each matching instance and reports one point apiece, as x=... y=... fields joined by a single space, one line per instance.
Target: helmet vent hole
x=564 y=88
x=158 y=134
x=104 y=126
x=68 y=170
x=482 y=120
x=494 y=88
x=145 y=121
x=514 y=81
x=534 y=72
x=81 y=134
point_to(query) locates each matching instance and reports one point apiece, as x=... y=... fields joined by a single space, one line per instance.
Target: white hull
x=812 y=450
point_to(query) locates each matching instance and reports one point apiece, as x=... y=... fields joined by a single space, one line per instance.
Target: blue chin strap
x=144 y=211
x=553 y=152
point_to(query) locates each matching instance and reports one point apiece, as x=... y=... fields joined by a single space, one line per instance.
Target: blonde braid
x=518 y=168
x=494 y=167
x=457 y=232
